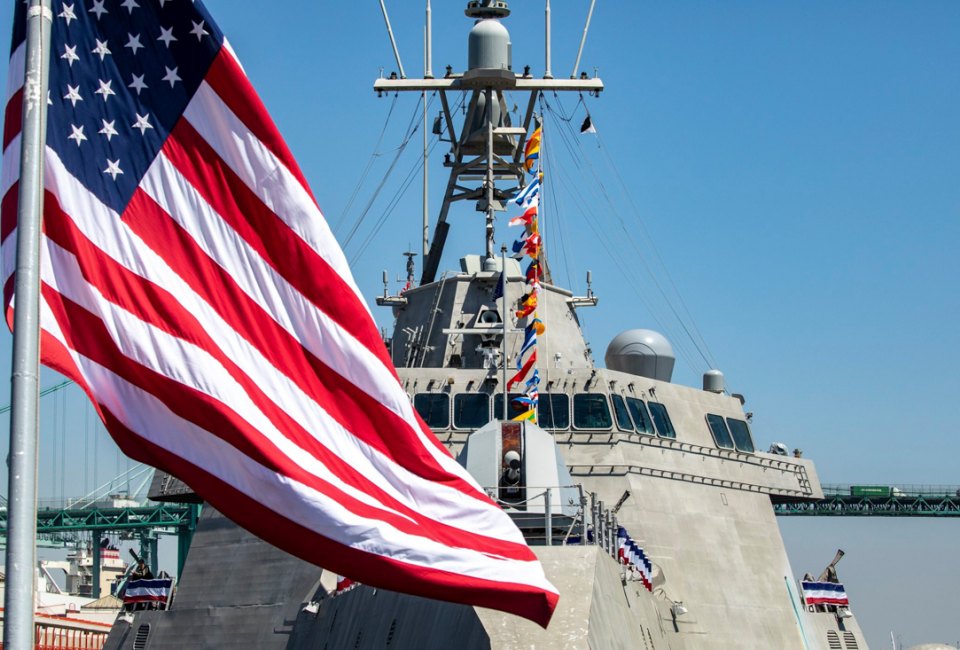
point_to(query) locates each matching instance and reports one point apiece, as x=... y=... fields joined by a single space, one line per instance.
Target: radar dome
x=641 y=352
x=488 y=46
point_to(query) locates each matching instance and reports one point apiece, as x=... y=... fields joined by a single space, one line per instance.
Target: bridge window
x=434 y=408
x=721 y=435
x=554 y=411
x=591 y=411
x=623 y=415
x=640 y=416
x=471 y=410
x=662 y=419
x=741 y=435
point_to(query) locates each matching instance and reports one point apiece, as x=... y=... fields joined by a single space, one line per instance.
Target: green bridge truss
x=60 y=526
x=890 y=501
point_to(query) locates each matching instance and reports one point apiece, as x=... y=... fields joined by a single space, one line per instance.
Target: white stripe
x=8 y=176
x=267 y=177
x=143 y=413
x=434 y=500
x=15 y=71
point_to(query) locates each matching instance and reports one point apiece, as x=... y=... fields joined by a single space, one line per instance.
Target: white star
x=73 y=94
x=70 y=54
x=142 y=123
x=130 y=5
x=108 y=129
x=198 y=30
x=113 y=168
x=105 y=89
x=134 y=43
x=101 y=49
x=171 y=75
x=163 y=3
x=166 y=35
x=49 y=101
x=67 y=13
x=77 y=134
x=98 y=8
x=137 y=83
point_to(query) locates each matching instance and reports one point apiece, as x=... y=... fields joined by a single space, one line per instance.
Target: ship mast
x=486 y=149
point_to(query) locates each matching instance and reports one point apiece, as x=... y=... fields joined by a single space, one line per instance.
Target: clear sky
x=796 y=166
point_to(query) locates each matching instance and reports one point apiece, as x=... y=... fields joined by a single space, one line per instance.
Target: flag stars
x=113 y=168
x=198 y=30
x=108 y=129
x=172 y=76
x=134 y=42
x=142 y=123
x=70 y=54
x=73 y=94
x=98 y=8
x=101 y=49
x=67 y=14
x=77 y=134
x=137 y=83
x=166 y=35
x=129 y=5
x=105 y=89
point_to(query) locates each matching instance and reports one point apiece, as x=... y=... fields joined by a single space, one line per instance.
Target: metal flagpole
x=503 y=278
x=25 y=412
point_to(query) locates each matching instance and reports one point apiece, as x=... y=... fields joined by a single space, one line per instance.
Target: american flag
x=192 y=287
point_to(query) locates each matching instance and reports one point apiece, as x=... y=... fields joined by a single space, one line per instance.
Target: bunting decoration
x=344 y=585
x=529 y=245
x=632 y=556
x=531 y=153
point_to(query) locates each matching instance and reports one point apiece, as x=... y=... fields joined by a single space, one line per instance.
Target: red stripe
x=356 y=411
x=368 y=568
x=826 y=601
x=270 y=237
x=232 y=86
x=95 y=342
x=13 y=117
x=8 y=211
x=8 y=224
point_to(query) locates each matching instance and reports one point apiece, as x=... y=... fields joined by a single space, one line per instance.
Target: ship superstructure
x=607 y=448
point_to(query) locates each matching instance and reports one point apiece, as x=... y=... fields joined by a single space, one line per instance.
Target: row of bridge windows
x=591 y=411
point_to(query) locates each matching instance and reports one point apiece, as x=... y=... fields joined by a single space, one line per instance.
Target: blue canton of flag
x=122 y=75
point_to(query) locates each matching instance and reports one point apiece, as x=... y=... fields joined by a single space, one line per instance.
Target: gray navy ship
x=646 y=501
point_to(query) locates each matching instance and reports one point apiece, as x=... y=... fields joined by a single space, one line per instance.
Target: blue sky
x=797 y=168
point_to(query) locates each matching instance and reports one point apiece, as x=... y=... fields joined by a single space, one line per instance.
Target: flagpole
x=25 y=413
x=503 y=271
